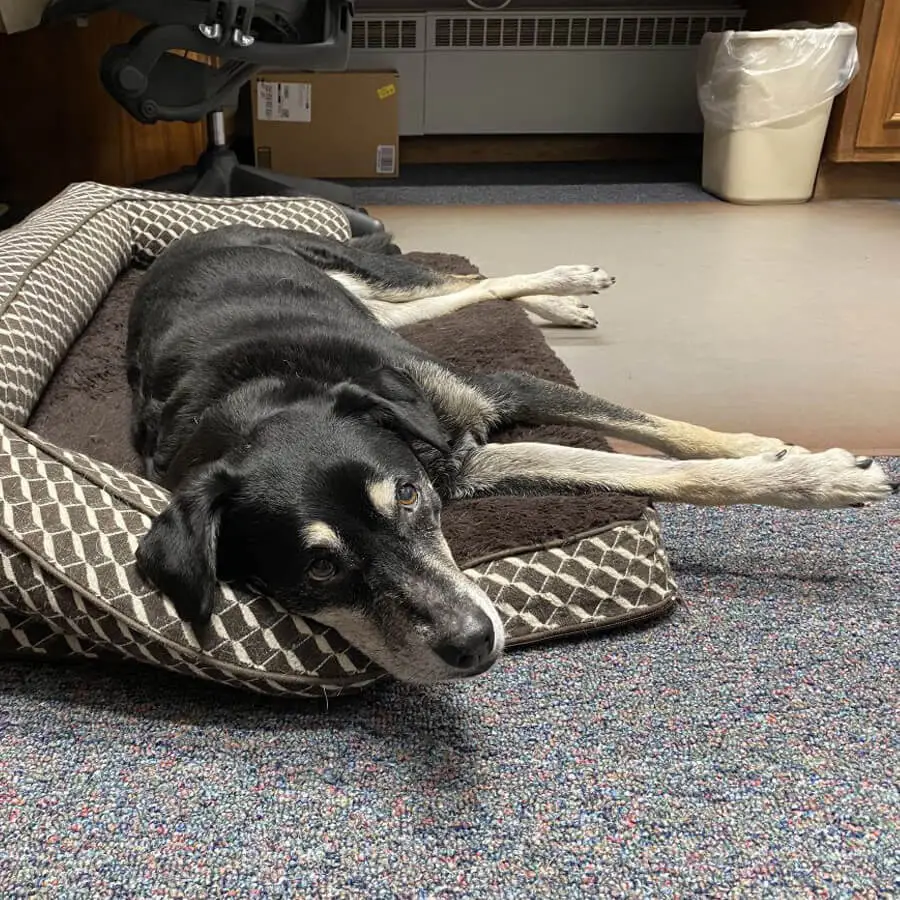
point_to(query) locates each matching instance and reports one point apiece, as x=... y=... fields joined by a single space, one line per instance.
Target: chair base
x=218 y=173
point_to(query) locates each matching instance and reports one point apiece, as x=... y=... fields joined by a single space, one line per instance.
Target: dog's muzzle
x=454 y=631
x=428 y=622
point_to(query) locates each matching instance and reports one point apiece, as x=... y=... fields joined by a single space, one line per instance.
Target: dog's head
x=319 y=499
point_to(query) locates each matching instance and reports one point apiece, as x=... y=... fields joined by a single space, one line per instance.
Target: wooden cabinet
x=878 y=132
x=865 y=125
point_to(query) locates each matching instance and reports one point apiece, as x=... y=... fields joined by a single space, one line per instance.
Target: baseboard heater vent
x=385 y=34
x=621 y=71
x=575 y=31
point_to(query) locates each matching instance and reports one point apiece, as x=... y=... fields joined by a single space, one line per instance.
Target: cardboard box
x=326 y=124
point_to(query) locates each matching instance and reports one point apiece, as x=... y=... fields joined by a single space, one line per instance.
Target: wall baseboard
x=451 y=149
x=858 y=181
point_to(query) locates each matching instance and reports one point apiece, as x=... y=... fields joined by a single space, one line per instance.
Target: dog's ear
x=178 y=553
x=391 y=397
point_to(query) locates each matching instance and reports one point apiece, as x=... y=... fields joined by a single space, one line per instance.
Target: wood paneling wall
x=59 y=125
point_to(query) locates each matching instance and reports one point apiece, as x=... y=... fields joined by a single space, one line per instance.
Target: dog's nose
x=470 y=646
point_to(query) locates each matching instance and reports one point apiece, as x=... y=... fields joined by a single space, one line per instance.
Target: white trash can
x=766 y=97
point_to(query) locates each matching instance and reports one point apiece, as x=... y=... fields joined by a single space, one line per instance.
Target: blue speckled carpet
x=746 y=747
x=534 y=184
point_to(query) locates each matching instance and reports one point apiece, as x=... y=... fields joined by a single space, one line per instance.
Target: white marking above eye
x=383 y=495
x=320 y=534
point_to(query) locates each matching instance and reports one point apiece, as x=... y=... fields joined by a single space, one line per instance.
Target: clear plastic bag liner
x=748 y=79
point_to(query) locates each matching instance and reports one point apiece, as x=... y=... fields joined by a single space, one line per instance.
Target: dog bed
x=73 y=507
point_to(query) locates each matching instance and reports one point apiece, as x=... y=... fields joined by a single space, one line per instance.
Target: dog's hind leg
x=565 y=311
x=571 y=312
x=399 y=281
x=397 y=315
x=404 y=308
x=521 y=398
x=826 y=480
x=560 y=281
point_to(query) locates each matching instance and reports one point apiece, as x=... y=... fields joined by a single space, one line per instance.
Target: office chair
x=154 y=79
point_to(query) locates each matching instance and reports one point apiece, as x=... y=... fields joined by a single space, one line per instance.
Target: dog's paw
x=578 y=280
x=829 y=480
x=741 y=445
x=570 y=312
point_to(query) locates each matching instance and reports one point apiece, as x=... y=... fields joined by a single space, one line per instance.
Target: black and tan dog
x=310 y=447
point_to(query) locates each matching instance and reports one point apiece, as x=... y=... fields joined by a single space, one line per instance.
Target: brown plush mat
x=86 y=408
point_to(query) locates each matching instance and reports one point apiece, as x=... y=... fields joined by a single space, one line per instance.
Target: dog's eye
x=321 y=569
x=407 y=495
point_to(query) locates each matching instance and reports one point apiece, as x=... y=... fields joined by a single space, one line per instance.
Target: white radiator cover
x=622 y=71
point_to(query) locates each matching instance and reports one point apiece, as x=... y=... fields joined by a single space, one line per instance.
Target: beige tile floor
x=778 y=320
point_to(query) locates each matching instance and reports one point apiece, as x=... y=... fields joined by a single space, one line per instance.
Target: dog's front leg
x=832 y=479
x=525 y=399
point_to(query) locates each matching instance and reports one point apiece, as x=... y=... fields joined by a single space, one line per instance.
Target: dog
x=310 y=448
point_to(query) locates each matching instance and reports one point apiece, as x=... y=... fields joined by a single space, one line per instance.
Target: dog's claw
x=781 y=454
x=895 y=487
x=864 y=462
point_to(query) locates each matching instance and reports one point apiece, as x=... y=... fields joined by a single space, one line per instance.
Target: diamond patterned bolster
x=69 y=525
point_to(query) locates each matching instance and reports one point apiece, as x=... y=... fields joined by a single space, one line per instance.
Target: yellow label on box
x=387 y=91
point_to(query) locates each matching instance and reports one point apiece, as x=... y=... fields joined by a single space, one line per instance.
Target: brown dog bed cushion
x=552 y=565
